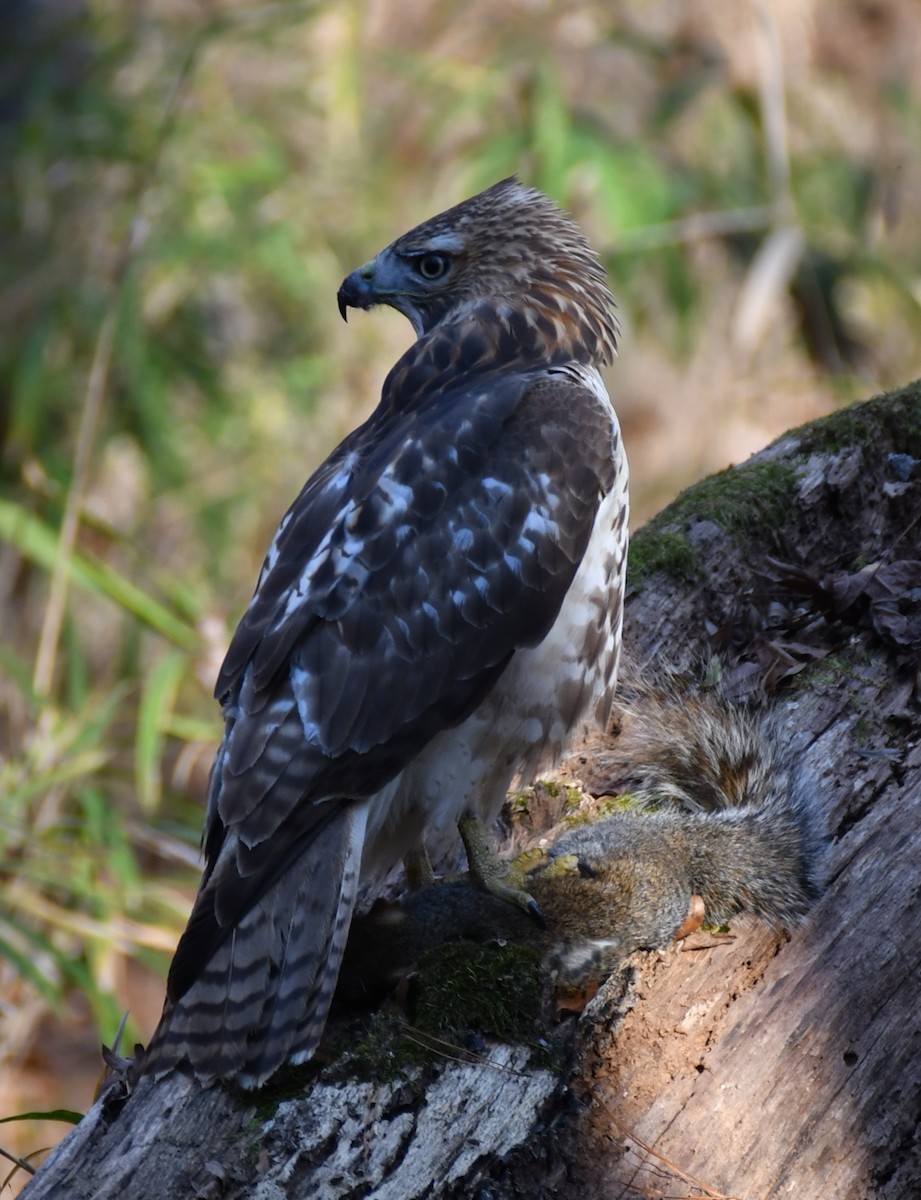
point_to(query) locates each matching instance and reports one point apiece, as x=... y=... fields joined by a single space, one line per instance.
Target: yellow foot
x=490 y=873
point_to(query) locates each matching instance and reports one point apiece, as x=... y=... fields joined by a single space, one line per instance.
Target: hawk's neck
x=497 y=336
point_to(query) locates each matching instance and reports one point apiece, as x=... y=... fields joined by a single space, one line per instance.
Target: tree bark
x=747 y=1064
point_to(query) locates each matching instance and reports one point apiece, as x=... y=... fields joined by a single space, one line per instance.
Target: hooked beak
x=357 y=290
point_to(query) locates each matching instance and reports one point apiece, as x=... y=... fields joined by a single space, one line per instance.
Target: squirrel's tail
x=749 y=810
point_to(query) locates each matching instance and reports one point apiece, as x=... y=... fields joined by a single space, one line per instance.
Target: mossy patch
x=252 y=1136
x=459 y=989
x=605 y=806
x=386 y=1049
x=741 y=500
x=752 y=498
x=288 y=1083
x=490 y=989
x=893 y=421
x=665 y=551
x=522 y=804
x=820 y=675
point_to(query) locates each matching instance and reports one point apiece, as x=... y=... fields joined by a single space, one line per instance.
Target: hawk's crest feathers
x=512 y=250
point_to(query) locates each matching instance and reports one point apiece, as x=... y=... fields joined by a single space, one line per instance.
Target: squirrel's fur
x=732 y=820
x=735 y=823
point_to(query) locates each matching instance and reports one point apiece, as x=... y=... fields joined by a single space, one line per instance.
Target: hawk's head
x=507 y=253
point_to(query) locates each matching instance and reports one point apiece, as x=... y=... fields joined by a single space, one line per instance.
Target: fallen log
x=746 y=1063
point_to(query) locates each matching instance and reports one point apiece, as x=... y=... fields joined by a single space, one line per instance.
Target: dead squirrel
x=734 y=823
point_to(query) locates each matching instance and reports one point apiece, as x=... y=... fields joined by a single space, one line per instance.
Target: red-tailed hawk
x=439 y=610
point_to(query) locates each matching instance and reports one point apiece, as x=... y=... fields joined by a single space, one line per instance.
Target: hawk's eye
x=432 y=266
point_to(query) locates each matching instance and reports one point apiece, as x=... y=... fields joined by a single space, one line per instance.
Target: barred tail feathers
x=263 y=997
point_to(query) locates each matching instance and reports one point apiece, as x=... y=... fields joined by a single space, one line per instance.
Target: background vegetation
x=183 y=183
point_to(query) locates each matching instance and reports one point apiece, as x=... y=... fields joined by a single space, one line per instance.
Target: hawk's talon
x=490 y=873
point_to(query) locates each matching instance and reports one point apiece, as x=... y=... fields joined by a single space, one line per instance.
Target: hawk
x=439 y=611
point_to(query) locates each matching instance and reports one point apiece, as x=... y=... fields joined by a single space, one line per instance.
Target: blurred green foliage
x=206 y=183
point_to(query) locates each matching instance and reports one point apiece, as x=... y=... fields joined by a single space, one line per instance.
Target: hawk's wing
x=455 y=534
x=437 y=540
